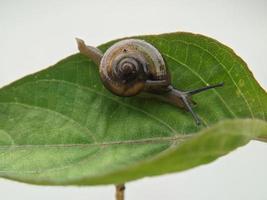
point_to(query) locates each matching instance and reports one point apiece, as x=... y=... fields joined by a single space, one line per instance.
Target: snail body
x=132 y=66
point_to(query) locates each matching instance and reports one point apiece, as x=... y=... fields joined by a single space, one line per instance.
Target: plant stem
x=120 y=191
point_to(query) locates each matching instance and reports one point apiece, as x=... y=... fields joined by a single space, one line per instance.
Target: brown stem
x=120 y=191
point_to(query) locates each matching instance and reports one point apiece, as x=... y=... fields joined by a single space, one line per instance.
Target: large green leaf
x=60 y=126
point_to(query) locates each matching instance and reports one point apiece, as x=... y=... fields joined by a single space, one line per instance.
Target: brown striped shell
x=128 y=64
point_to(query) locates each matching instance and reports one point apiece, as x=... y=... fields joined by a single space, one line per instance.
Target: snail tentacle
x=196 y=91
x=189 y=108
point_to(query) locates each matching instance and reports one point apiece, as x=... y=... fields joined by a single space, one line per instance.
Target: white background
x=36 y=34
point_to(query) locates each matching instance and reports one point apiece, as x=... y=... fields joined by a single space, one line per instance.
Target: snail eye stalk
x=175 y=96
x=193 y=92
x=196 y=91
x=189 y=108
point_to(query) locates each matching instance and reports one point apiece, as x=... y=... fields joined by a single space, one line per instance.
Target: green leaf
x=60 y=126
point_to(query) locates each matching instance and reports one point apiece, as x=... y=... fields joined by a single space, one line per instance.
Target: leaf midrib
x=155 y=140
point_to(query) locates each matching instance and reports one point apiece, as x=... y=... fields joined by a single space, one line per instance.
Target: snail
x=133 y=66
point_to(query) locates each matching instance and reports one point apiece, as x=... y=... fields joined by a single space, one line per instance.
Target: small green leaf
x=60 y=126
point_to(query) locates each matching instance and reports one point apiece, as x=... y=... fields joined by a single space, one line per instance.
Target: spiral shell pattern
x=127 y=65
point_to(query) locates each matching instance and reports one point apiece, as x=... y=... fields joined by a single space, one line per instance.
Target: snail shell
x=128 y=64
x=132 y=66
